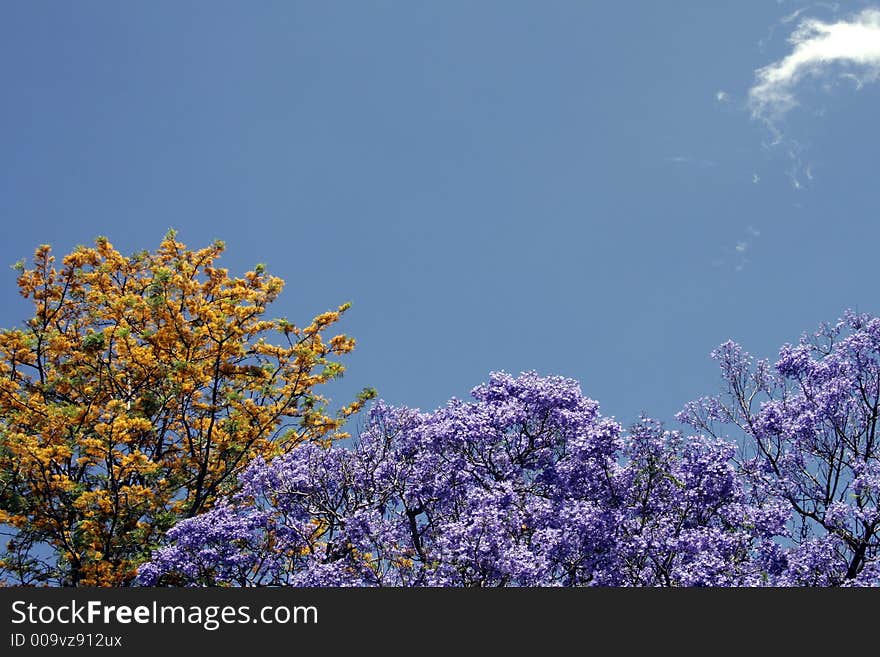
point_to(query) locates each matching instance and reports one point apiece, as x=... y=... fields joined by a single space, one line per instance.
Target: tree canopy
x=135 y=395
x=156 y=428
x=529 y=485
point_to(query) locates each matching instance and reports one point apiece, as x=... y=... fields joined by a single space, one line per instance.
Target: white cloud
x=785 y=20
x=690 y=159
x=817 y=46
x=722 y=96
x=736 y=256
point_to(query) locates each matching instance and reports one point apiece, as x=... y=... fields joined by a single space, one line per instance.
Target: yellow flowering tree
x=134 y=396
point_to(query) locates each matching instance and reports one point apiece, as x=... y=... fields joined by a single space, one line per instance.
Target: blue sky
x=601 y=190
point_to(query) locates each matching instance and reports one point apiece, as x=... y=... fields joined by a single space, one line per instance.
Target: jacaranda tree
x=135 y=396
x=525 y=485
x=809 y=426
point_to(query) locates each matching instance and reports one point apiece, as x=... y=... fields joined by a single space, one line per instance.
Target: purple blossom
x=526 y=485
x=812 y=443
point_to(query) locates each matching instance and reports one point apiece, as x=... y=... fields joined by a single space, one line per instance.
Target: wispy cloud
x=691 y=160
x=818 y=47
x=785 y=20
x=833 y=7
x=722 y=96
x=737 y=256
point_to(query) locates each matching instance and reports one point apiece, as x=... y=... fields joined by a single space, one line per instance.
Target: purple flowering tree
x=809 y=428
x=686 y=519
x=528 y=485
